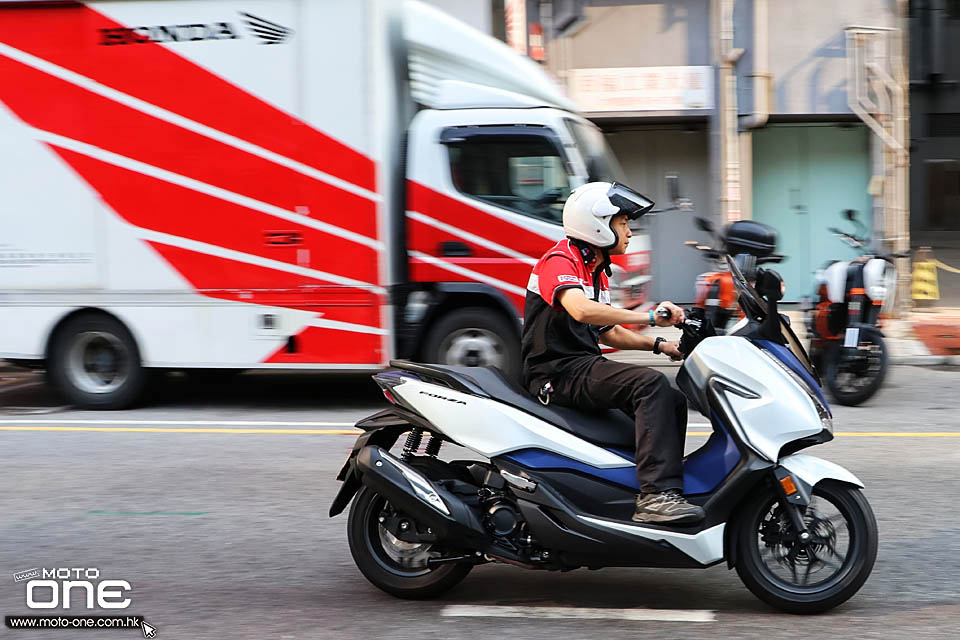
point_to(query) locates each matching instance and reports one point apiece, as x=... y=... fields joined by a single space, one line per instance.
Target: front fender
x=812 y=470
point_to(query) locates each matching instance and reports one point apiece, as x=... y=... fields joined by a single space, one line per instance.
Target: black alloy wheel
x=400 y=568
x=809 y=575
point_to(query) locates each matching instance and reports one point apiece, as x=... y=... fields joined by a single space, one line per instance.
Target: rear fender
x=382 y=429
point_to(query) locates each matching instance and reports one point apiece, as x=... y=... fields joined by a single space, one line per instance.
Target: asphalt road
x=225 y=534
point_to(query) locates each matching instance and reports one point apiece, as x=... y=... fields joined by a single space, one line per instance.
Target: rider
x=568 y=312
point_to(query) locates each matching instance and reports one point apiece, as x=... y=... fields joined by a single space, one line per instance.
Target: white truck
x=270 y=184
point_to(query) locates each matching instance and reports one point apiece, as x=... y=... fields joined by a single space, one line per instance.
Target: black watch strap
x=656 y=345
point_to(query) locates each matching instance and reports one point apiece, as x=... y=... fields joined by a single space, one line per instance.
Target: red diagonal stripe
x=332 y=346
x=227 y=279
x=473 y=219
x=69 y=36
x=51 y=104
x=168 y=208
x=426 y=272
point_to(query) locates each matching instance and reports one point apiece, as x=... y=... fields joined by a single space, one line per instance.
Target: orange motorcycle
x=715 y=291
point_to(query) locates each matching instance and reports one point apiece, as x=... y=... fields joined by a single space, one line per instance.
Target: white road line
x=199 y=423
x=583 y=613
x=186 y=423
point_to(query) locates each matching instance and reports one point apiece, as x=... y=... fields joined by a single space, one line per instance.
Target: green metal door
x=804 y=176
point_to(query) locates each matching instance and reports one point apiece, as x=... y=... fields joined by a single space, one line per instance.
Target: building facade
x=781 y=111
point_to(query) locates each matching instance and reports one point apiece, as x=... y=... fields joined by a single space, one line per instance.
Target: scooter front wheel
x=819 y=573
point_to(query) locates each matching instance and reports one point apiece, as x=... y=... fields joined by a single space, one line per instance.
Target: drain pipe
x=761 y=69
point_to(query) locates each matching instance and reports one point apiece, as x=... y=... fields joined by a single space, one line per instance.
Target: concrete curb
x=926 y=361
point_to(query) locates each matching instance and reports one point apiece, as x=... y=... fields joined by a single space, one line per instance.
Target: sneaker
x=666 y=507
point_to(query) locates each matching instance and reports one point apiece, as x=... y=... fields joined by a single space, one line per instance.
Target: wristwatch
x=656 y=345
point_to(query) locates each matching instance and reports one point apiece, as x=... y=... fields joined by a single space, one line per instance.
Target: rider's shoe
x=667 y=507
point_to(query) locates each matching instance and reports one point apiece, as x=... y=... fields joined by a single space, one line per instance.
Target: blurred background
x=218 y=218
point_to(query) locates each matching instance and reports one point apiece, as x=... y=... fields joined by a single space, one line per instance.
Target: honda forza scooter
x=555 y=489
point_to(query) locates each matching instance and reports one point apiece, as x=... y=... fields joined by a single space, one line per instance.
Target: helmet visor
x=629 y=201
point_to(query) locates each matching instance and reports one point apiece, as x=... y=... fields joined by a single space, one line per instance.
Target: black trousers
x=660 y=412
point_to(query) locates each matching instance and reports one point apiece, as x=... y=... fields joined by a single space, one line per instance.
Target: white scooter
x=846 y=343
x=555 y=489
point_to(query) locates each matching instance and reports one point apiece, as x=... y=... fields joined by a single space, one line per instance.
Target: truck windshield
x=601 y=164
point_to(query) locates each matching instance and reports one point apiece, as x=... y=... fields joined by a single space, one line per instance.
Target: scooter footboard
x=812 y=470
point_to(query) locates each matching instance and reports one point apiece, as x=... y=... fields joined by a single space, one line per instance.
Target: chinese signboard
x=642 y=88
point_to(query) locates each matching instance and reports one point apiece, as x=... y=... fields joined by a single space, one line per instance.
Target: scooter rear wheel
x=812 y=576
x=392 y=565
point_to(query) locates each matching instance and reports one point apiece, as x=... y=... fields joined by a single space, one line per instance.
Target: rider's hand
x=671 y=349
x=676 y=315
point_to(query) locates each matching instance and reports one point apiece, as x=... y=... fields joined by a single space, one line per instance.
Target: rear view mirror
x=850 y=214
x=769 y=284
x=703 y=224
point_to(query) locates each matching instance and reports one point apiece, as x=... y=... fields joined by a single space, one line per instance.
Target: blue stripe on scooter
x=786 y=356
x=703 y=470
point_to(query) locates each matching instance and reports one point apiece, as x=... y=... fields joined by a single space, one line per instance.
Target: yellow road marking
x=300 y=432
x=353 y=432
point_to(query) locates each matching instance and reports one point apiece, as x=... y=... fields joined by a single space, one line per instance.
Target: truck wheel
x=95 y=363
x=474 y=337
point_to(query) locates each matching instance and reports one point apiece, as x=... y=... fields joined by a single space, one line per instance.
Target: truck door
x=482 y=207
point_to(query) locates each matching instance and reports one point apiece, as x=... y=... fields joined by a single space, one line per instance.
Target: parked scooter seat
x=611 y=428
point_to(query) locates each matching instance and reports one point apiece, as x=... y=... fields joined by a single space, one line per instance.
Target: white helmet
x=589 y=210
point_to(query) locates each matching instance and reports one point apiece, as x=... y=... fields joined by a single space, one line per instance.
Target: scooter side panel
x=812 y=469
x=491 y=428
x=780 y=413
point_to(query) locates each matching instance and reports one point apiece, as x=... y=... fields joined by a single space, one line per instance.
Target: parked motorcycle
x=556 y=488
x=715 y=292
x=846 y=343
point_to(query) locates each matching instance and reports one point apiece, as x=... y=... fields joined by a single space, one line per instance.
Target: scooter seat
x=612 y=428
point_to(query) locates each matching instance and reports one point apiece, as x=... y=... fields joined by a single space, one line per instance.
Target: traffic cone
x=925 y=288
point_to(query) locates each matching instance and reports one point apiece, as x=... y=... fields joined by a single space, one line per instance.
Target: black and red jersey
x=551 y=338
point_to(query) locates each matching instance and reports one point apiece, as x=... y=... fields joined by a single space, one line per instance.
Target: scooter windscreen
x=755 y=308
x=630 y=202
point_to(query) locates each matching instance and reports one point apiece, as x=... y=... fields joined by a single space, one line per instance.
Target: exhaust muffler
x=409 y=491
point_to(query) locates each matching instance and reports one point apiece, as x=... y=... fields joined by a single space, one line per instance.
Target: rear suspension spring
x=412 y=444
x=433 y=445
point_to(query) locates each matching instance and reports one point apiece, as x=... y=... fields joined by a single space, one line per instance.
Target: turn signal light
x=788 y=487
x=389 y=396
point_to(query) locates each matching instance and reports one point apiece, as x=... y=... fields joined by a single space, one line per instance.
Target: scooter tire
x=853 y=574
x=373 y=561
x=853 y=398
